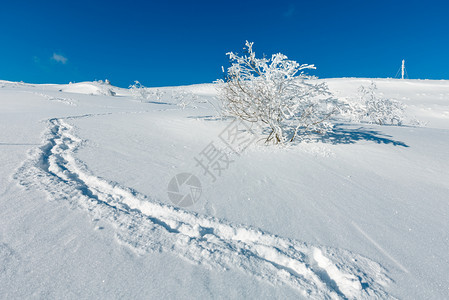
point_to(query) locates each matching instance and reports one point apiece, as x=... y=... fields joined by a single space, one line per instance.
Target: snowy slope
x=84 y=210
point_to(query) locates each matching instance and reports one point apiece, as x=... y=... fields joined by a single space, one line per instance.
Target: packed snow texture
x=359 y=213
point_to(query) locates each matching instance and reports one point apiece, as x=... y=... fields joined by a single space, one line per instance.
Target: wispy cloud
x=59 y=58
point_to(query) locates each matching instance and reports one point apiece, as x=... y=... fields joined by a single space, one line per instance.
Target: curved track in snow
x=146 y=225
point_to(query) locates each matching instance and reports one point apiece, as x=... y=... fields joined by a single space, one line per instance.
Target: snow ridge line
x=146 y=225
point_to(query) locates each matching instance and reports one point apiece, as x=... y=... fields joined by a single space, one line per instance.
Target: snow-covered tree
x=139 y=91
x=184 y=99
x=380 y=110
x=276 y=94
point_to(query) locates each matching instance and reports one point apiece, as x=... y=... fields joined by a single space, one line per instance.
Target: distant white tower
x=403 y=68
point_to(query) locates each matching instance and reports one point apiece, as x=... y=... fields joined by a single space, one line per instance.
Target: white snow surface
x=362 y=213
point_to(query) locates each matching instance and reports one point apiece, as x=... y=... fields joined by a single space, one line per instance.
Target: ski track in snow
x=146 y=225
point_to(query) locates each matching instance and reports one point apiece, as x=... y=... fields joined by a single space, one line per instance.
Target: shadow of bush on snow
x=340 y=134
x=345 y=135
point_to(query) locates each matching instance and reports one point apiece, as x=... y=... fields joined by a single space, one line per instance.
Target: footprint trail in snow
x=145 y=225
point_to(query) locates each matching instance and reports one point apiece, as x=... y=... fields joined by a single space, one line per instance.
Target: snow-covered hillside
x=360 y=213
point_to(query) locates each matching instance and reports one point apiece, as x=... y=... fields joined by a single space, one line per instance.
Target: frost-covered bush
x=380 y=110
x=179 y=97
x=354 y=110
x=139 y=91
x=184 y=99
x=276 y=94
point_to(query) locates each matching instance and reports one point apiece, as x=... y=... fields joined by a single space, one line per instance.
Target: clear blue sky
x=184 y=42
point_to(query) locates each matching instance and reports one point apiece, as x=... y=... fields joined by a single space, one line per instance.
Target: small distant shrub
x=379 y=110
x=139 y=91
x=184 y=99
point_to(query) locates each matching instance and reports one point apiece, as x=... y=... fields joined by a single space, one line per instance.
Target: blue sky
x=184 y=42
